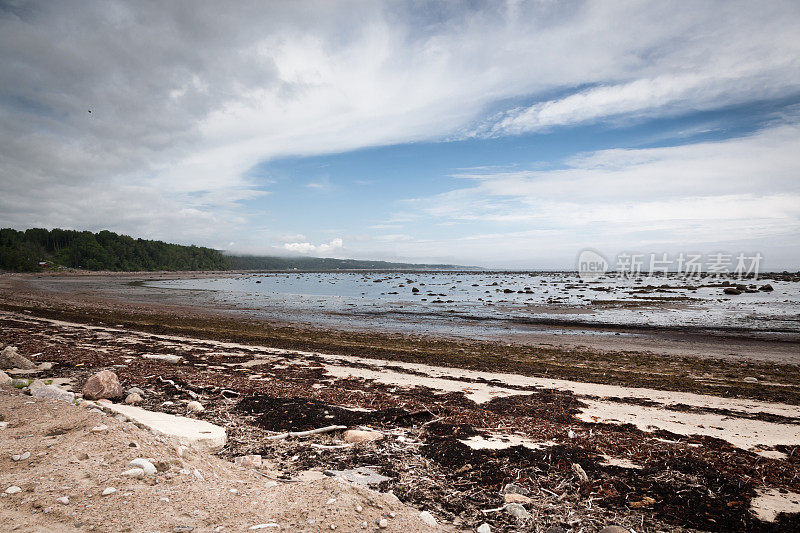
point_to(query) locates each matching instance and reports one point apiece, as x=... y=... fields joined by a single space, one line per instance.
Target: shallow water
x=503 y=298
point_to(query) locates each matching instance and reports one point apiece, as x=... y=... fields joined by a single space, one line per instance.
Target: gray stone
x=10 y=358
x=512 y=488
x=166 y=358
x=484 y=528
x=5 y=379
x=517 y=511
x=135 y=390
x=54 y=393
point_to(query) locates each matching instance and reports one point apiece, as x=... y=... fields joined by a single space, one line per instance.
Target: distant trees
x=22 y=251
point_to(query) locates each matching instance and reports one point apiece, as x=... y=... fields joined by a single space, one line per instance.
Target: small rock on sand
x=135 y=390
x=614 y=529
x=108 y=491
x=484 y=528
x=13 y=489
x=21 y=457
x=103 y=385
x=5 y=379
x=144 y=464
x=63 y=500
x=137 y=473
x=427 y=518
x=133 y=398
x=357 y=435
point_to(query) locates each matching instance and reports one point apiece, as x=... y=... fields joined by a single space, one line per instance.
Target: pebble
x=13 y=489
x=484 y=528
x=133 y=398
x=264 y=526
x=516 y=498
x=614 y=529
x=197 y=474
x=517 y=511
x=359 y=508
x=20 y=457
x=329 y=502
x=108 y=491
x=355 y=436
x=195 y=407
x=63 y=500
x=251 y=461
x=428 y=518
x=135 y=390
x=383 y=523
x=99 y=429
x=145 y=465
x=513 y=488
x=134 y=472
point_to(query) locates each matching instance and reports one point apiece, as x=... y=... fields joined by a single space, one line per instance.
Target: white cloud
x=740 y=192
x=187 y=97
x=306 y=248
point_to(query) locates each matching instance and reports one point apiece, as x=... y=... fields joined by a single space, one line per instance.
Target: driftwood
x=308 y=433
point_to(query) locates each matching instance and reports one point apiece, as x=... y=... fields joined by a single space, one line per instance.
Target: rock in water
x=104 y=384
x=10 y=358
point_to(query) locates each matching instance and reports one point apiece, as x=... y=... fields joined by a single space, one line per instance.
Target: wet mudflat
x=454 y=448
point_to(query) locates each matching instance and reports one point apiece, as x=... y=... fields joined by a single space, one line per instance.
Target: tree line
x=38 y=249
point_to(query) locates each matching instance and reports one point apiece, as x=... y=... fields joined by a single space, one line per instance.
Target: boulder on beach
x=104 y=384
x=732 y=290
x=10 y=358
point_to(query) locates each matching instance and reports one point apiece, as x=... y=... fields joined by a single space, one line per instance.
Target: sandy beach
x=654 y=434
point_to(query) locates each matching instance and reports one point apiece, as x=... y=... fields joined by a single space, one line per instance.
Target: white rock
x=331 y=501
x=517 y=511
x=99 y=429
x=484 y=528
x=21 y=457
x=198 y=474
x=383 y=523
x=145 y=465
x=270 y=484
x=195 y=407
x=13 y=489
x=108 y=491
x=264 y=526
x=197 y=433
x=359 y=508
x=428 y=518
x=63 y=500
x=134 y=472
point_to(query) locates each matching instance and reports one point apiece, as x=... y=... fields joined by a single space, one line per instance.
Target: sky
x=501 y=134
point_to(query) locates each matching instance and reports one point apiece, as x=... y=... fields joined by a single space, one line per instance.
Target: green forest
x=38 y=249
x=24 y=251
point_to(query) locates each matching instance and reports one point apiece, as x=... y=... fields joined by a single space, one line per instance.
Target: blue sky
x=498 y=134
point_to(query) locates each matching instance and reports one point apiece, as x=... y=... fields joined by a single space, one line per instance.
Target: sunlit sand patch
x=746 y=434
x=503 y=441
x=771 y=502
x=620 y=462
